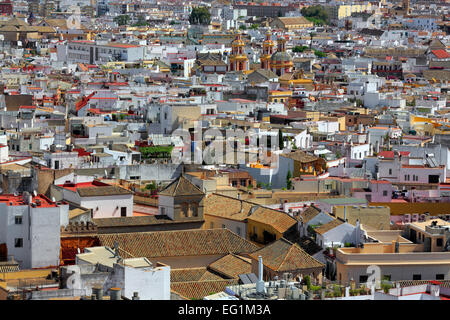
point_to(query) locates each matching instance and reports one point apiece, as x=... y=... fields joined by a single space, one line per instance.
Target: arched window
x=185 y=209
x=194 y=208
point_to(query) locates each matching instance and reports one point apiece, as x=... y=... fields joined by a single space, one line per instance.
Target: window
x=385 y=193
x=195 y=210
x=238 y=230
x=18 y=219
x=433 y=179
x=163 y=211
x=439 y=242
x=440 y=276
x=223 y=226
x=123 y=211
x=18 y=242
x=390 y=171
x=363 y=279
x=243 y=182
x=417 y=277
x=185 y=208
x=211 y=225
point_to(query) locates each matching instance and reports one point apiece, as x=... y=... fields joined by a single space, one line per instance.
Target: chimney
x=98 y=292
x=242 y=202
x=260 y=283
x=114 y=294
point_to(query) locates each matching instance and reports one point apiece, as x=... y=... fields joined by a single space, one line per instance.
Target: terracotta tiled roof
x=179 y=243
x=230 y=208
x=278 y=220
x=102 y=191
x=283 y=255
x=137 y=221
x=407 y=283
x=300 y=156
x=309 y=245
x=441 y=54
x=200 y=289
x=181 y=187
x=231 y=266
x=227 y=207
x=328 y=226
x=309 y=213
x=288 y=21
x=192 y=274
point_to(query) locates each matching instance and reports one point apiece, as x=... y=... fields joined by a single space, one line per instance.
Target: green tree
x=320 y=54
x=151 y=186
x=280 y=139
x=288 y=180
x=299 y=48
x=316 y=14
x=254 y=26
x=200 y=15
x=122 y=20
x=307 y=280
x=141 y=22
x=242 y=27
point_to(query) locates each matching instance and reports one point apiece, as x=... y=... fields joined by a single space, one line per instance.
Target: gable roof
x=288 y=21
x=328 y=226
x=230 y=208
x=181 y=187
x=300 y=156
x=200 y=289
x=261 y=75
x=192 y=274
x=178 y=243
x=283 y=255
x=231 y=266
x=441 y=54
x=279 y=220
x=309 y=213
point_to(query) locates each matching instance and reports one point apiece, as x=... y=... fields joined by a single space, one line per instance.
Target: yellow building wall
x=260 y=228
x=347 y=10
x=398 y=208
x=378 y=218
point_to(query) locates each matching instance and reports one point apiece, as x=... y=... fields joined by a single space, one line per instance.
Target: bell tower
x=267 y=51
x=238 y=59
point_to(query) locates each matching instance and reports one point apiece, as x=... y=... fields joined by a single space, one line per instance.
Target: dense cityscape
x=224 y=150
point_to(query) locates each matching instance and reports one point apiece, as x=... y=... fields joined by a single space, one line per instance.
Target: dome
x=281 y=56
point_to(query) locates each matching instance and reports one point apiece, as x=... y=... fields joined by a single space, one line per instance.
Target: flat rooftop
x=17 y=200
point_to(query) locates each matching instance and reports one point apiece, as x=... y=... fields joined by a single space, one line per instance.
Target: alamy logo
x=231 y=146
x=74 y=21
x=374 y=273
